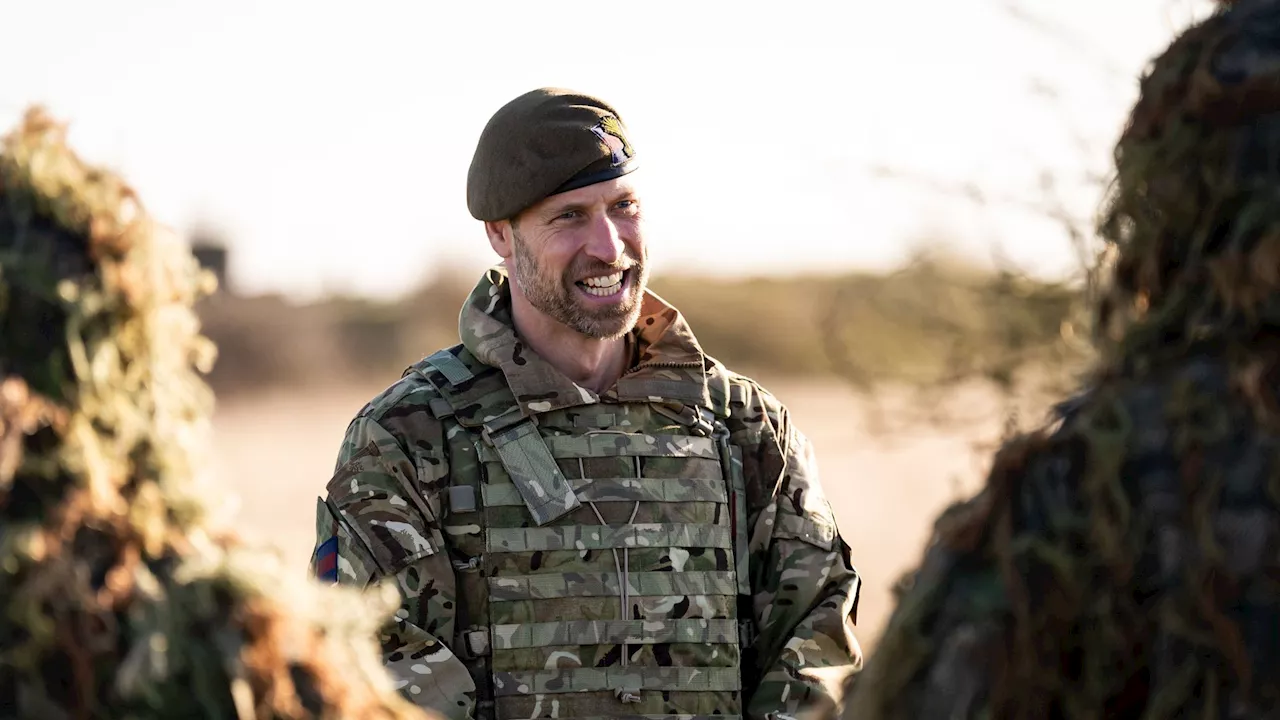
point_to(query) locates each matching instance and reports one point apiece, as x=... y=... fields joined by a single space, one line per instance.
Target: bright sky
x=332 y=143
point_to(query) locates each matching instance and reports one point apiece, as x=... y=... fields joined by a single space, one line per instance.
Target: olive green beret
x=545 y=142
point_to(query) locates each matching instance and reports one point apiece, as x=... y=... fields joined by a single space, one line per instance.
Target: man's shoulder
x=746 y=398
x=417 y=399
x=407 y=394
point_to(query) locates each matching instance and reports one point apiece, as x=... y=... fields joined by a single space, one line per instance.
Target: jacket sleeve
x=805 y=587
x=376 y=526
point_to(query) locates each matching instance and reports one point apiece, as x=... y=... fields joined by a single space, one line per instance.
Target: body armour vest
x=600 y=550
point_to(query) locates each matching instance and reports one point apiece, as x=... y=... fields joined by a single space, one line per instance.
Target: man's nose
x=605 y=243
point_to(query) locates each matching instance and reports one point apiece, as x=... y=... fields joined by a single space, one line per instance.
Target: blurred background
x=881 y=211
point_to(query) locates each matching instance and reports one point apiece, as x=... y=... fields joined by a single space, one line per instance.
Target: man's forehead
x=604 y=191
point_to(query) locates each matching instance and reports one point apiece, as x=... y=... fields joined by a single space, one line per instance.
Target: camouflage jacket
x=805 y=588
x=1120 y=564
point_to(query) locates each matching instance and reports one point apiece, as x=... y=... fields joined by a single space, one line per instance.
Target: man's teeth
x=603 y=286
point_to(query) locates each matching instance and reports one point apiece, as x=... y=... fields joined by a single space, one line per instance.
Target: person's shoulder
x=425 y=383
x=752 y=413
x=411 y=401
x=744 y=396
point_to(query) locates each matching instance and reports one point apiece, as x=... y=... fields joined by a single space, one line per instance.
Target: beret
x=544 y=142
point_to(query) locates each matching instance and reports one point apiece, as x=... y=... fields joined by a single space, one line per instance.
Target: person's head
x=552 y=181
x=1192 y=218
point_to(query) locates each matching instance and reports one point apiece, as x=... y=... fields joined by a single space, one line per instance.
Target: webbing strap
x=732 y=458
x=580 y=679
x=533 y=471
x=605 y=584
x=613 y=632
x=604 y=537
x=621 y=490
x=440 y=408
x=453 y=369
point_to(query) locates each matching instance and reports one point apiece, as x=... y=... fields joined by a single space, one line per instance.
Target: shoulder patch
x=326 y=561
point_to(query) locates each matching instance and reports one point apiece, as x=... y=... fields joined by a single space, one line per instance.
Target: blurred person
x=1122 y=561
x=586 y=515
x=121 y=596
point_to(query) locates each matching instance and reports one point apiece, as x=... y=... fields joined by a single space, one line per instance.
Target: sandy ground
x=274 y=454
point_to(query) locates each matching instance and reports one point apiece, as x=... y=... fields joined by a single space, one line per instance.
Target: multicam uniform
x=661 y=550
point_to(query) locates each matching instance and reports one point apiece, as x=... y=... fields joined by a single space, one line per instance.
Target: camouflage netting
x=1124 y=561
x=118 y=596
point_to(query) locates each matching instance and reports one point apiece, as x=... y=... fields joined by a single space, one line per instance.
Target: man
x=1122 y=563
x=587 y=516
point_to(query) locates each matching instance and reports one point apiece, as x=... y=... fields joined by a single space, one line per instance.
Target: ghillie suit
x=118 y=598
x=1123 y=561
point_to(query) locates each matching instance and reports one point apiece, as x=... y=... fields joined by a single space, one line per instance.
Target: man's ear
x=499 y=233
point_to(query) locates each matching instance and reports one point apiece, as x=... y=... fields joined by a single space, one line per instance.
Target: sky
x=329 y=142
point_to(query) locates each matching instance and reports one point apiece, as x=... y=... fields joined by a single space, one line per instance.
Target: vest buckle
x=746 y=633
x=476 y=643
x=627 y=696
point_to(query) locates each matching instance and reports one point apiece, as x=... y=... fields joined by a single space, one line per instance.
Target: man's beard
x=558 y=297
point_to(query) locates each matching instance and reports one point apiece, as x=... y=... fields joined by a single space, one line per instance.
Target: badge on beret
x=609 y=130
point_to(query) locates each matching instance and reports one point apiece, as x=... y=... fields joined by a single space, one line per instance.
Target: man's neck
x=592 y=363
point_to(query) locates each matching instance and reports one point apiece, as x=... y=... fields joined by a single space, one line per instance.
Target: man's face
x=579 y=258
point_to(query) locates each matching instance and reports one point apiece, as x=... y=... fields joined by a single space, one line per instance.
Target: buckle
x=746 y=633
x=476 y=642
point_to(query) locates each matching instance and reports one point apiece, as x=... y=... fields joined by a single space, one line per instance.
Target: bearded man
x=586 y=515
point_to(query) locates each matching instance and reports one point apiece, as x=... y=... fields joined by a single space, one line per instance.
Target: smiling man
x=586 y=515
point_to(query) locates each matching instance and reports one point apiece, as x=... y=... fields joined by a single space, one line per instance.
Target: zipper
x=644 y=366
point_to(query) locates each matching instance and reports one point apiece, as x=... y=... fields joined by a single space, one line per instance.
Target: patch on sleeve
x=326 y=561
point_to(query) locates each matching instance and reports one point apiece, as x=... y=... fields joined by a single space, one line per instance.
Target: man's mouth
x=604 y=286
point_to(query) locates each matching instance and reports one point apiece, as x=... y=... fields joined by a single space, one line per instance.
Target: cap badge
x=609 y=130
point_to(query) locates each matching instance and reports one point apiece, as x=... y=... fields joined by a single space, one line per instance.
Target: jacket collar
x=670 y=365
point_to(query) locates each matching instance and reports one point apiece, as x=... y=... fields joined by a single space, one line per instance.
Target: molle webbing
x=607 y=490
x=599 y=632
x=600 y=682
x=590 y=609
x=568 y=680
x=605 y=537
x=618 y=445
x=562 y=585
